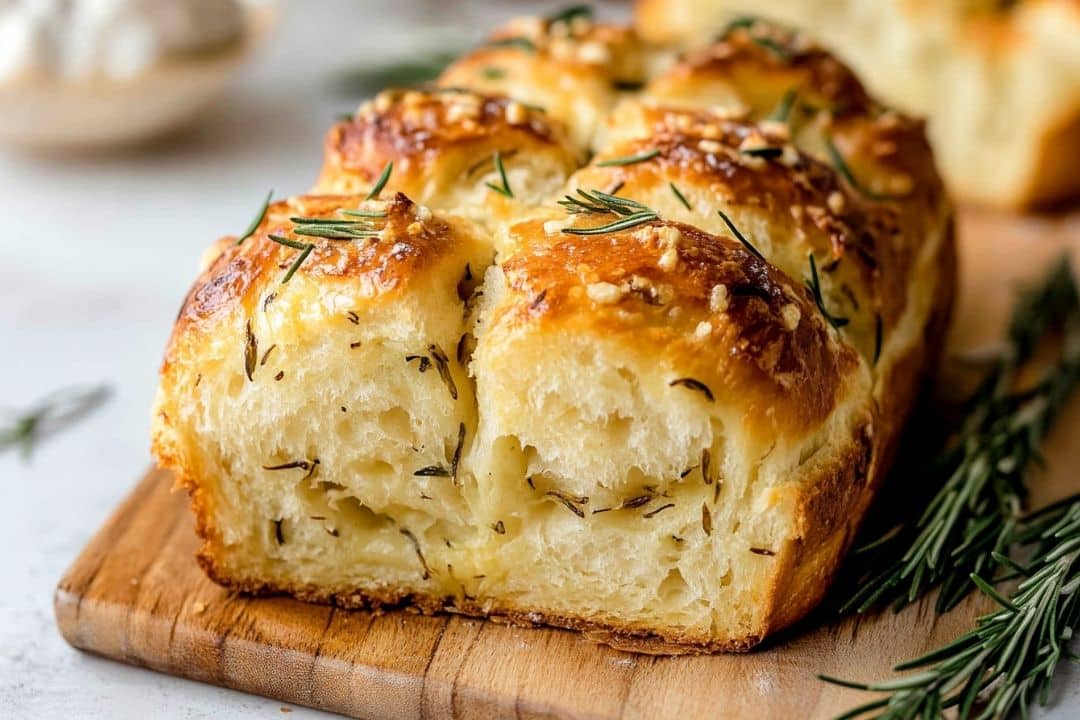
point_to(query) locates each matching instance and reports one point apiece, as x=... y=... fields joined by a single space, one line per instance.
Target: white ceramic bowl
x=51 y=113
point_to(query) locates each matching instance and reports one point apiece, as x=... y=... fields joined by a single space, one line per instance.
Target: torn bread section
x=652 y=431
x=318 y=413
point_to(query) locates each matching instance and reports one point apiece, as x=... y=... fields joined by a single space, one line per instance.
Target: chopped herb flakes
x=814 y=284
x=693 y=384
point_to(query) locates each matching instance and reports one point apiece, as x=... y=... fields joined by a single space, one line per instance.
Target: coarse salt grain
x=718 y=298
x=604 y=293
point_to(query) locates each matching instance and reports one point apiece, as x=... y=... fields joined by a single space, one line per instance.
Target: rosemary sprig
x=624 y=223
x=304 y=248
x=58 y=410
x=678 y=194
x=504 y=189
x=1009 y=659
x=815 y=287
x=630 y=213
x=629 y=159
x=739 y=236
x=782 y=113
x=257 y=220
x=844 y=169
x=982 y=473
x=599 y=202
x=384 y=177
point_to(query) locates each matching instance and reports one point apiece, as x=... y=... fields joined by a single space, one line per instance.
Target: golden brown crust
x=435 y=140
x=242 y=275
x=954 y=60
x=572 y=72
x=671 y=290
x=689 y=296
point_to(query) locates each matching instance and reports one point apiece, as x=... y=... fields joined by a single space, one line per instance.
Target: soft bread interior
x=625 y=497
x=341 y=465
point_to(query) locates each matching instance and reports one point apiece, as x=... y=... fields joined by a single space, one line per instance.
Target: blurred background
x=192 y=110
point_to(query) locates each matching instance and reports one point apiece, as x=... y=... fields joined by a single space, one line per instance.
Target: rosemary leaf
x=981 y=473
x=815 y=288
x=257 y=220
x=680 y=196
x=629 y=159
x=625 y=223
x=24 y=429
x=844 y=169
x=504 y=189
x=1008 y=660
x=782 y=113
x=304 y=248
x=739 y=236
x=381 y=182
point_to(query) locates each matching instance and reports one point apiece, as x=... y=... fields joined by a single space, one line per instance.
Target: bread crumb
x=703 y=329
x=516 y=113
x=383 y=101
x=554 y=227
x=718 y=298
x=730 y=112
x=790 y=314
x=423 y=213
x=593 y=53
x=286 y=709
x=415 y=228
x=780 y=130
x=664 y=294
x=754 y=141
x=669 y=260
x=710 y=131
x=604 y=293
x=789 y=156
x=835 y=201
x=710 y=146
x=459 y=111
x=198 y=608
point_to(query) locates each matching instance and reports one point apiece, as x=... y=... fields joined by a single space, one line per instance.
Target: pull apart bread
x=648 y=398
x=999 y=81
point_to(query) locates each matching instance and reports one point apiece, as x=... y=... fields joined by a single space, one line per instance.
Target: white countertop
x=96 y=253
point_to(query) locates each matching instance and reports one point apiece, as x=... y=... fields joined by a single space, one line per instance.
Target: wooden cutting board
x=136 y=595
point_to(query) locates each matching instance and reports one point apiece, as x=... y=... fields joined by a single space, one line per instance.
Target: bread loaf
x=999 y=81
x=649 y=398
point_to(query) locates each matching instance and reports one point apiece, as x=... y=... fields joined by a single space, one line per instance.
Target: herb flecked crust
x=769 y=277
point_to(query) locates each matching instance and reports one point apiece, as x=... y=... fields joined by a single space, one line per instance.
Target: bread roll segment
x=664 y=478
x=999 y=81
x=655 y=411
x=441 y=147
x=317 y=421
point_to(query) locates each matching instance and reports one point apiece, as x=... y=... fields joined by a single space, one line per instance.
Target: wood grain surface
x=136 y=595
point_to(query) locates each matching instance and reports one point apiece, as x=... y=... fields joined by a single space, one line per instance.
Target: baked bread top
x=566 y=338
x=999 y=81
